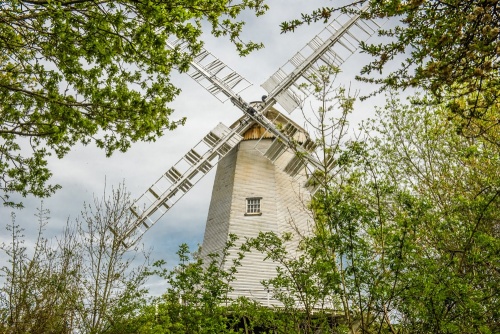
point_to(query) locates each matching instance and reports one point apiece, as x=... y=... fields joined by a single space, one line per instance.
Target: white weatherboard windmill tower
x=253 y=194
x=259 y=183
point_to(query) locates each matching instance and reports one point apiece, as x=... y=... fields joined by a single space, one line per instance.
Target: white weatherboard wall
x=245 y=173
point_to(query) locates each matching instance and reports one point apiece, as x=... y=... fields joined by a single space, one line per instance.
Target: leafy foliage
x=196 y=296
x=305 y=284
x=410 y=226
x=407 y=224
x=82 y=71
x=196 y=300
x=447 y=219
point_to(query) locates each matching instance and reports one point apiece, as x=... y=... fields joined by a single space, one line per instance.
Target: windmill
x=262 y=134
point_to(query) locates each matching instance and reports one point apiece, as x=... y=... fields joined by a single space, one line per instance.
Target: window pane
x=253 y=205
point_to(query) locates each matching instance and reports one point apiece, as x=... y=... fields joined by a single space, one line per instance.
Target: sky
x=85 y=171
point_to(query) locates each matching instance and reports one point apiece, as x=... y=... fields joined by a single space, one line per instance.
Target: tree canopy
x=86 y=71
x=406 y=224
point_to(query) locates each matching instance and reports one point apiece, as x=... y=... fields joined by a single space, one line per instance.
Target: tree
x=406 y=224
x=86 y=71
x=411 y=226
x=83 y=281
x=450 y=49
x=196 y=300
x=40 y=288
x=304 y=284
x=112 y=277
x=448 y=205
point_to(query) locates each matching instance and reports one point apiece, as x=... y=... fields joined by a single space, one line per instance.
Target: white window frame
x=253 y=206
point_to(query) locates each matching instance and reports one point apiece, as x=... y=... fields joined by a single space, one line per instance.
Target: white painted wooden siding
x=244 y=173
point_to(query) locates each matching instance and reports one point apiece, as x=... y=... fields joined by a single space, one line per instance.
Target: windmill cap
x=283 y=123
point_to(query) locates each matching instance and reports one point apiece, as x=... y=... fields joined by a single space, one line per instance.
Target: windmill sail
x=332 y=46
x=212 y=74
x=178 y=180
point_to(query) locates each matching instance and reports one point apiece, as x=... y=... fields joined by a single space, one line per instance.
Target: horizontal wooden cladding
x=257 y=132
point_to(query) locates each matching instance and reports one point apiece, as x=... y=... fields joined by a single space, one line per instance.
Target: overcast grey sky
x=85 y=169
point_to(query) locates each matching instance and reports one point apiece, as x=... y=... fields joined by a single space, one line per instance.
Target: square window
x=253 y=206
